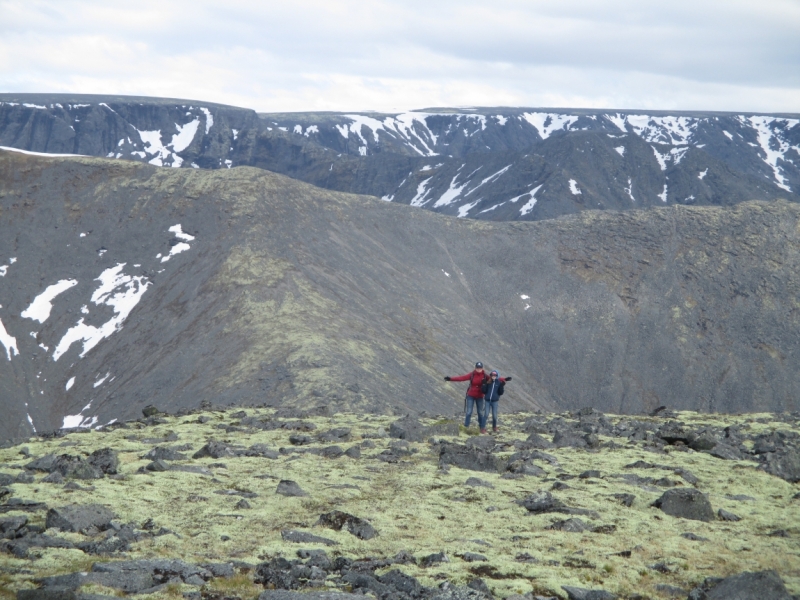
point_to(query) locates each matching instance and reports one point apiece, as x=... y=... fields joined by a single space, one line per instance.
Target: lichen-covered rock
x=761 y=585
x=339 y=520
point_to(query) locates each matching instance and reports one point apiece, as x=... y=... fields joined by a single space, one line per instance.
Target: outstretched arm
x=459 y=377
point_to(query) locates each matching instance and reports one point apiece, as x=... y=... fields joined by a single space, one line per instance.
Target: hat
x=494 y=373
x=478 y=365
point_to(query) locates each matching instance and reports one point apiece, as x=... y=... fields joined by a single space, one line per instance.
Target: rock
x=79 y=517
x=475 y=482
x=559 y=485
x=150 y=411
x=263 y=451
x=298 y=439
x=279 y=573
x=317 y=595
x=724 y=515
x=537 y=441
x=761 y=585
x=358 y=527
x=541 y=502
x=591 y=474
x=164 y=453
x=242 y=505
x=405 y=584
x=331 y=452
x=54 y=477
x=473 y=557
x=10 y=525
x=157 y=466
x=408 y=428
x=340 y=434
x=353 y=452
x=576 y=593
x=287 y=487
x=526 y=467
x=215 y=450
x=45 y=463
x=785 y=465
x=568 y=438
x=433 y=559
x=693 y=537
x=624 y=499
x=703 y=442
x=726 y=452
x=470 y=458
x=19 y=547
x=105 y=459
x=302 y=537
x=686 y=504
x=479 y=585
x=569 y=525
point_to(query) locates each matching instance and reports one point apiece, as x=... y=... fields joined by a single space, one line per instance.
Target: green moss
x=418 y=508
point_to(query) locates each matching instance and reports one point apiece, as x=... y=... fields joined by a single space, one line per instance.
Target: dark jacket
x=475 y=382
x=493 y=389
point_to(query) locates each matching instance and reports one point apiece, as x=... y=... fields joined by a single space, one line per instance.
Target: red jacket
x=475 y=382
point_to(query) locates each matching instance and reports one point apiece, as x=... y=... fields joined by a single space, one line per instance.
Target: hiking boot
x=495 y=429
x=483 y=431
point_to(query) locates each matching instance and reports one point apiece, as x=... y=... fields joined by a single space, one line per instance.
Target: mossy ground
x=419 y=508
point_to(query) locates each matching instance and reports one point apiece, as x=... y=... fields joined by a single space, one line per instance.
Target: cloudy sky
x=741 y=55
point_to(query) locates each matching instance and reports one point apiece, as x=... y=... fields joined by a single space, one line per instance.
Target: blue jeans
x=478 y=402
x=491 y=406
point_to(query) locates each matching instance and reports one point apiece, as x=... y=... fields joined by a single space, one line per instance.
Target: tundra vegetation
x=575 y=500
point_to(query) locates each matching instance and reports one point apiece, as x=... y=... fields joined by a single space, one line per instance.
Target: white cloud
x=387 y=54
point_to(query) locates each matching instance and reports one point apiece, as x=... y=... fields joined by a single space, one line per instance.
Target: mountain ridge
x=294 y=295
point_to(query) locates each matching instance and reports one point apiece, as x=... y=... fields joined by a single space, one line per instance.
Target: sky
x=392 y=55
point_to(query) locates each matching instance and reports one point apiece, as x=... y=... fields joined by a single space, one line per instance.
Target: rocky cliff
x=124 y=284
x=486 y=164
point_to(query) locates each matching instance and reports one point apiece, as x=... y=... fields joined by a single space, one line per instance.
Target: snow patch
x=663 y=195
x=40 y=308
x=493 y=177
x=772 y=145
x=70 y=383
x=10 y=149
x=100 y=382
x=9 y=342
x=703 y=173
x=573 y=187
x=209 y=119
x=547 y=123
x=621 y=150
x=501 y=120
x=178 y=231
x=451 y=194
x=422 y=192
x=661 y=158
x=120 y=292
x=464 y=209
x=727 y=135
x=629 y=189
x=525 y=297
x=531 y=203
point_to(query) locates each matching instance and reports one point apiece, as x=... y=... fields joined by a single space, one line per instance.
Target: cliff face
x=134 y=285
x=498 y=164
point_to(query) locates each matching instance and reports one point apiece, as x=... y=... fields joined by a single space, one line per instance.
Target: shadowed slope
x=290 y=294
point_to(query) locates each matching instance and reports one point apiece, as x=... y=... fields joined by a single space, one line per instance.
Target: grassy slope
x=416 y=507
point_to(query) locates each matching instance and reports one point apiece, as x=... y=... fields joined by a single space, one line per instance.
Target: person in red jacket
x=474 y=394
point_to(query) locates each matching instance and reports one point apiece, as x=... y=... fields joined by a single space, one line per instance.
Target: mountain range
x=501 y=164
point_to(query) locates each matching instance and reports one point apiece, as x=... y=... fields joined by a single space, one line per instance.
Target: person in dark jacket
x=474 y=394
x=492 y=389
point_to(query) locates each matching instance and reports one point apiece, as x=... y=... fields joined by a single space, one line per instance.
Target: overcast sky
x=348 y=55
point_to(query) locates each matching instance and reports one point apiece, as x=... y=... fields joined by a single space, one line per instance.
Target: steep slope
x=487 y=163
x=132 y=284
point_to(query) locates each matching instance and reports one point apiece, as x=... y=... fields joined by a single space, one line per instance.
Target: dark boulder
x=262 y=451
x=784 y=464
x=406 y=585
x=79 y=517
x=46 y=463
x=573 y=525
x=303 y=537
x=164 y=453
x=340 y=434
x=475 y=482
x=339 y=520
x=316 y=595
x=702 y=442
x=724 y=515
x=150 y=411
x=287 y=487
x=105 y=460
x=576 y=593
x=541 y=502
x=686 y=504
x=537 y=441
x=433 y=559
x=353 y=452
x=470 y=458
x=761 y=585
x=215 y=450
x=298 y=439
x=408 y=428
x=726 y=452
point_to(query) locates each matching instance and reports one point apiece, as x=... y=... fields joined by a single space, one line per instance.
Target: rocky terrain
x=242 y=503
x=484 y=163
x=123 y=284
x=310 y=294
